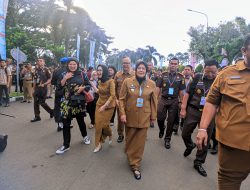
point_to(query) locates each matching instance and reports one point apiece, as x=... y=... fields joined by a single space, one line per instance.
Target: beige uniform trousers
x=134 y=147
x=102 y=128
x=27 y=90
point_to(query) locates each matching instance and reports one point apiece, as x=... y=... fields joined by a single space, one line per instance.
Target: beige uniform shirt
x=138 y=117
x=231 y=92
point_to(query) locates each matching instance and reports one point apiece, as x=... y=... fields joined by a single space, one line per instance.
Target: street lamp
x=207 y=22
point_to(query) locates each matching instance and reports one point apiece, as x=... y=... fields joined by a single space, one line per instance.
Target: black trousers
x=66 y=128
x=57 y=110
x=113 y=116
x=4 y=88
x=91 y=110
x=192 y=120
x=39 y=99
x=167 y=108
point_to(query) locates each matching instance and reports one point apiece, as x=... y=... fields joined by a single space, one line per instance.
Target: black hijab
x=105 y=73
x=78 y=70
x=141 y=79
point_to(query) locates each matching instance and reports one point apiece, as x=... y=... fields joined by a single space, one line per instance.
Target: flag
x=3 y=13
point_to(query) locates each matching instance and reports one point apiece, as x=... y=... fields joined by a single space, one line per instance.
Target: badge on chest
x=171 y=91
x=139 y=102
x=203 y=101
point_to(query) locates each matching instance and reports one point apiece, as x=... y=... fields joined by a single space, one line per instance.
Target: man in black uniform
x=58 y=92
x=42 y=78
x=172 y=85
x=191 y=110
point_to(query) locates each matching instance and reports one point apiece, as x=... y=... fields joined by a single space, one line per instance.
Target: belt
x=195 y=107
x=28 y=80
x=169 y=98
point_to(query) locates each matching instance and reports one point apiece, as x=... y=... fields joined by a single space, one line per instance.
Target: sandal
x=137 y=174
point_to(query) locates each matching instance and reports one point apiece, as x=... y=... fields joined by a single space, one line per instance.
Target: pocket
x=236 y=89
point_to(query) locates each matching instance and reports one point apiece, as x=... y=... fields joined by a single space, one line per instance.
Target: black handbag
x=3 y=142
x=77 y=100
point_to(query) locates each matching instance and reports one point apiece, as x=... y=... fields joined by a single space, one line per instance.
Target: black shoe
x=7 y=105
x=120 y=139
x=35 y=119
x=167 y=144
x=160 y=135
x=214 y=150
x=200 y=170
x=51 y=114
x=188 y=151
x=23 y=101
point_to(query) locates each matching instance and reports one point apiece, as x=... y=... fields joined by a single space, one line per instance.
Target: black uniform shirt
x=176 y=81
x=201 y=90
x=42 y=75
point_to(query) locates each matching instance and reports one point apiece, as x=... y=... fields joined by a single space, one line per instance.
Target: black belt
x=195 y=107
x=169 y=98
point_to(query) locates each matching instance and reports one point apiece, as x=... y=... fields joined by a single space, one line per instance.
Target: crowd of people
x=142 y=97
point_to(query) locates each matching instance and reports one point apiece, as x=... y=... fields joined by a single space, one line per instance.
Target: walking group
x=216 y=102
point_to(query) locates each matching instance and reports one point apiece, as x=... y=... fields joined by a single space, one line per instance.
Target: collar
x=241 y=65
x=128 y=72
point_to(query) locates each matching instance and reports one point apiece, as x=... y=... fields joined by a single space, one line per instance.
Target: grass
x=14 y=94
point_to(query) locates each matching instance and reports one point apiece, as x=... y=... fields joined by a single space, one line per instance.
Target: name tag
x=171 y=91
x=139 y=102
x=203 y=101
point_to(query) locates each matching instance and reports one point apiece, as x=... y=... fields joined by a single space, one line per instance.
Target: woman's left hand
x=102 y=108
x=80 y=90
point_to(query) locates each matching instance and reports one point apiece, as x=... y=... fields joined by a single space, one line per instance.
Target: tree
x=228 y=35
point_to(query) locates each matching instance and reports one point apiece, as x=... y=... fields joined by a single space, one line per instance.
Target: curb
x=17 y=98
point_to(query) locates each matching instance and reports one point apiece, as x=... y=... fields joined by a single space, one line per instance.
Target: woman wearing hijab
x=104 y=107
x=74 y=82
x=138 y=108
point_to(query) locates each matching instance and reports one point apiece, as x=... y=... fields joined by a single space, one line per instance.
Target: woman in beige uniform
x=138 y=108
x=104 y=107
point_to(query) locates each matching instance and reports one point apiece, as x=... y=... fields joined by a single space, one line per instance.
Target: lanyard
x=171 y=83
x=204 y=88
x=142 y=88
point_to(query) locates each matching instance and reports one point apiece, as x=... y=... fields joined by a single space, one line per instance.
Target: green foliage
x=42 y=27
x=228 y=35
x=181 y=68
x=199 y=68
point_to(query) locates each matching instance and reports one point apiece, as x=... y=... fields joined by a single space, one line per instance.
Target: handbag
x=77 y=100
x=88 y=96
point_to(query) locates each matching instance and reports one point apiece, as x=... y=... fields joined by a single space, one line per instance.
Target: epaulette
x=239 y=59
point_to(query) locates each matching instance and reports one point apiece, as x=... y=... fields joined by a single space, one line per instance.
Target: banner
x=91 y=53
x=3 y=13
x=78 y=47
x=193 y=60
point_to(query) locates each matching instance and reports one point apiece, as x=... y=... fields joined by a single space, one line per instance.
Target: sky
x=160 y=23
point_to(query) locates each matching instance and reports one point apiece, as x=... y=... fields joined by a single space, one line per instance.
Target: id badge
x=171 y=91
x=139 y=102
x=203 y=101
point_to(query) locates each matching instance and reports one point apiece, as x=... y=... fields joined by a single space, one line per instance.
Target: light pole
x=207 y=25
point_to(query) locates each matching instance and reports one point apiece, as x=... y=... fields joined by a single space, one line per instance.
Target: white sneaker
x=62 y=149
x=86 y=140
x=98 y=148
x=110 y=140
x=91 y=126
x=60 y=124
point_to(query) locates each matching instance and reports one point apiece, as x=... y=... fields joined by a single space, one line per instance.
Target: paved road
x=30 y=163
